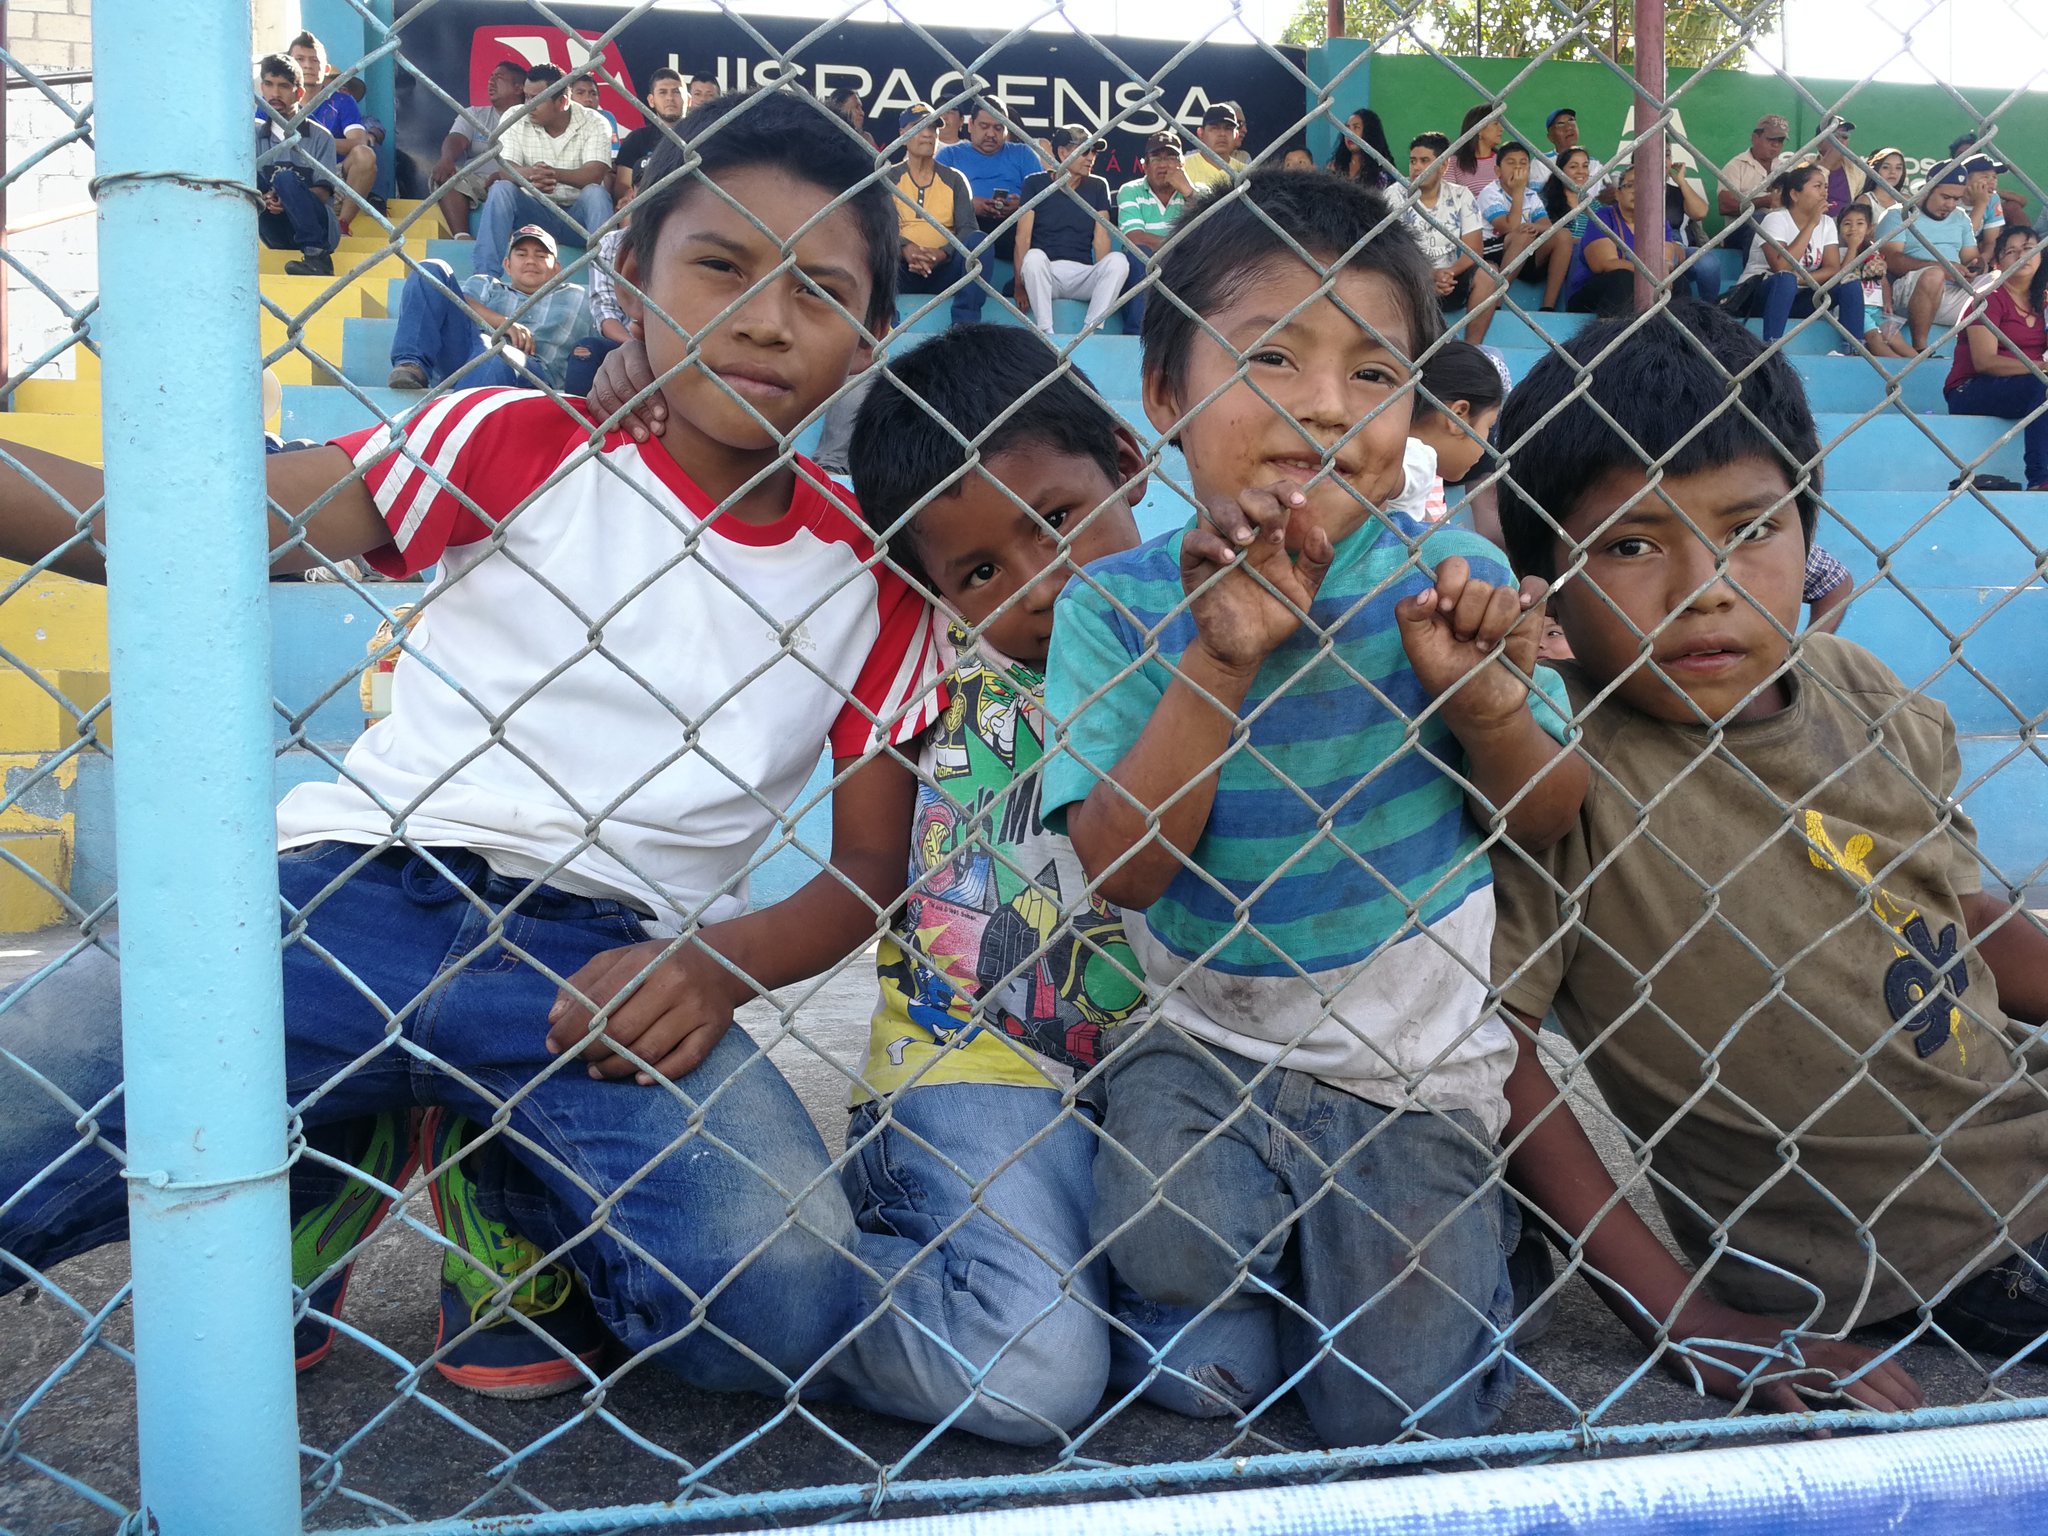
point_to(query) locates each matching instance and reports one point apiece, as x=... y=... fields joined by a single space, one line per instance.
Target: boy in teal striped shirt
x=1272 y=722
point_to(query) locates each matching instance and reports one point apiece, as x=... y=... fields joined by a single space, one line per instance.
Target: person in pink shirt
x=1471 y=164
x=1998 y=366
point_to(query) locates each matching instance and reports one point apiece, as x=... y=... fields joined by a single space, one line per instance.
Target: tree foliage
x=1697 y=33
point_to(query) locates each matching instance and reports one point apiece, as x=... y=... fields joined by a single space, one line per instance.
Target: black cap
x=1165 y=142
x=1071 y=137
x=1219 y=114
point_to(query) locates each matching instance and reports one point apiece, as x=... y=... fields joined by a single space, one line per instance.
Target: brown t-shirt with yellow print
x=1755 y=939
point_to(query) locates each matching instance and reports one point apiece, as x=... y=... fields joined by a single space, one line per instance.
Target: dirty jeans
x=1375 y=1241
x=460 y=990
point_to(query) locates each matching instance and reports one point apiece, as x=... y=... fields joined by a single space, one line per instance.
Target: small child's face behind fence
x=787 y=346
x=1298 y=377
x=1713 y=636
x=987 y=555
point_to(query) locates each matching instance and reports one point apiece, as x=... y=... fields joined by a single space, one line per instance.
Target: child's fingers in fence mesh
x=625 y=383
x=1785 y=1374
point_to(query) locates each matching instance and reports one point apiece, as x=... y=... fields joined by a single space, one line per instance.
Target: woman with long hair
x=1997 y=357
x=1362 y=153
x=1479 y=135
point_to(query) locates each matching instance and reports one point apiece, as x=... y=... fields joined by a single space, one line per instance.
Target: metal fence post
x=188 y=632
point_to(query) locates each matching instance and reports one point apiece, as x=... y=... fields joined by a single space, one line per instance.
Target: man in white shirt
x=1444 y=219
x=560 y=150
x=469 y=156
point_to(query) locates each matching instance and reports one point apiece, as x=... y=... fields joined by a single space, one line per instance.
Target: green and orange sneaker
x=513 y=1325
x=325 y=1239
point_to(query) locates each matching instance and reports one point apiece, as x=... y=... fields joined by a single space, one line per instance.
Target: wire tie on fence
x=189 y=179
x=160 y=1180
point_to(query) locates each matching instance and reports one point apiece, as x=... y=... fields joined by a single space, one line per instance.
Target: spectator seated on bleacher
x=469 y=155
x=1798 y=248
x=1444 y=219
x=995 y=169
x=1603 y=279
x=1830 y=151
x=637 y=150
x=1931 y=253
x=296 y=172
x=563 y=151
x=1980 y=197
x=1745 y=194
x=440 y=324
x=1561 y=127
x=1215 y=142
x=1066 y=234
x=1147 y=207
x=339 y=113
x=584 y=92
x=1997 y=369
x=1518 y=224
x=935 y=215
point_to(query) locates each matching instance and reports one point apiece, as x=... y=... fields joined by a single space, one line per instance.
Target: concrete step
x=1976 y=649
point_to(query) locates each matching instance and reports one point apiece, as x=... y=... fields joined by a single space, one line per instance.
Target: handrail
x=17 y=82
x=61 y=77
x=49 y=216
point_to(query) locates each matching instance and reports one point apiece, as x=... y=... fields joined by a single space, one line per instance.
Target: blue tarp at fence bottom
x=1961 y=1481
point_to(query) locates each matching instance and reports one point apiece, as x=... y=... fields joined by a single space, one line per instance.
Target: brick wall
x=48 y=36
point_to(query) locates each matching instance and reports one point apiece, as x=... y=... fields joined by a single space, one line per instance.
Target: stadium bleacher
x=1953 y=593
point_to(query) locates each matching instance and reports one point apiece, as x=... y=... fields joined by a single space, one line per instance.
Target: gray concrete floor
x=439 y=1451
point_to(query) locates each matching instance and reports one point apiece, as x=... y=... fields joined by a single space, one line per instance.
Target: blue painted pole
x=188 y=631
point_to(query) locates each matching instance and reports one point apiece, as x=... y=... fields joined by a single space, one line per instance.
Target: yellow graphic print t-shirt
x=1000 y=967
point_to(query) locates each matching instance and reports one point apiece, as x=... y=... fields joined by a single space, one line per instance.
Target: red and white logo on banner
x=527 y=46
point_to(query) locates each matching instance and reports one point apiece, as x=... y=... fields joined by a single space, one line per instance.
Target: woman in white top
x=1797 y=250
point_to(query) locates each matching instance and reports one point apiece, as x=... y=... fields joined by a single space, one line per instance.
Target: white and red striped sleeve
x=449 y=474
x=897 y=693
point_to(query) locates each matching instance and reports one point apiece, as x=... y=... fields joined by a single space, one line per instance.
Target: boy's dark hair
x=1436 y=141
x=308 y=40
x=1457 y=370
x=543 y=75
x=1666 y=380
x=998 y=387
x=782 y=129
x=664 y=73
x=1220 y=246
x=279 y=66
x=1508 y=147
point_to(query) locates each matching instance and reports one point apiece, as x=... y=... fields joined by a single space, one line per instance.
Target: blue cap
x=1954 y=176
x=1551 y=121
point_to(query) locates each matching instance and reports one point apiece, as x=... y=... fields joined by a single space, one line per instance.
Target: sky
x=1995 y=43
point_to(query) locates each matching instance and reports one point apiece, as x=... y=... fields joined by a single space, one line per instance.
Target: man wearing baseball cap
x=1931 y=253
x=1830 y=151
x=1209 y=166
x=1065 y=246
x=1561 y=127
x=1746 y=180
x=526 y=323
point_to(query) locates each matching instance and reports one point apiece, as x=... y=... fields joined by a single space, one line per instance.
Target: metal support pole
x=1335 y=18
x=189 y=635
x=1649 y=155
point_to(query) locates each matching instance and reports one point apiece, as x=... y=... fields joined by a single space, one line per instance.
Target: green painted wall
x=1414 y=93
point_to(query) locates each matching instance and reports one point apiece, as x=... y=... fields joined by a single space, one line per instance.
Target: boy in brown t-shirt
x=1766 y=934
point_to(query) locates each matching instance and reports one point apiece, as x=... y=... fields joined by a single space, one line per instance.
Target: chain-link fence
x=782 y=1019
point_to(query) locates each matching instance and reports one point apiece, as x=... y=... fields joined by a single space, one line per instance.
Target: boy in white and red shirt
x=612 y=694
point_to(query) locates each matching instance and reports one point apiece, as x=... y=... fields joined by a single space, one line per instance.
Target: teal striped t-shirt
x=1328 y=820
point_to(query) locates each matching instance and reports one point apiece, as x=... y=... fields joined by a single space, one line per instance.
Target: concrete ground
x=439 y=1451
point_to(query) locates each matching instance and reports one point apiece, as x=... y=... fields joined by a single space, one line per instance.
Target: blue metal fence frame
x=202 y=1024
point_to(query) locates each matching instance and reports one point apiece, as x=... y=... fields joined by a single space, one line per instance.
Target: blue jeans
x=585 y=358
x=1785 y=299
x=437 y=332
x=2016 y=397
x=306 y=225
x=694 y=1177
x=1375 y=1241
x=508 y=207
x=967 y=299
x=984 y=1311
x=2003 y=1309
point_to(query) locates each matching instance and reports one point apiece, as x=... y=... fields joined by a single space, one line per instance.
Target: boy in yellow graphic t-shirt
x=1003 y=980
